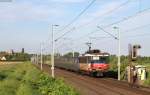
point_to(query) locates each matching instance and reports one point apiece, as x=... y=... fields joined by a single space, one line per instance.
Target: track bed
x=97 y=86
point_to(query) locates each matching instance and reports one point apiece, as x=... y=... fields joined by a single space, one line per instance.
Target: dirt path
x=97 y=86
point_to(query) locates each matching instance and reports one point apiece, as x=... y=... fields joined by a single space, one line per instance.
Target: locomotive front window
x=101 y=60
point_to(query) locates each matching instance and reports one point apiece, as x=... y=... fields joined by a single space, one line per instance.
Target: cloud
x=28 y=11
x=105 y=14
x=99 y=13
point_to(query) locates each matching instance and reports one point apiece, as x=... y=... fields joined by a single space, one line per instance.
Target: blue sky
x=27 y=23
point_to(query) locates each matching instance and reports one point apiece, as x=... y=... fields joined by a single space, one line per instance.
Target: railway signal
x=134 y=51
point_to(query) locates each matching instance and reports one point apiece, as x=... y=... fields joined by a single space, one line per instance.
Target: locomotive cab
x=94 y=63
x=100 y=64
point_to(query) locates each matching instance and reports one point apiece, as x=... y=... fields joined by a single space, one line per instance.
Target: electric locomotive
x=94 y=63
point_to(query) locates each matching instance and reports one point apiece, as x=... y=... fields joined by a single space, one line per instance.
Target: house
x=3 y=58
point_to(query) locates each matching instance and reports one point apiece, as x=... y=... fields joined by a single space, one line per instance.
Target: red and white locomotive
x=93 y=62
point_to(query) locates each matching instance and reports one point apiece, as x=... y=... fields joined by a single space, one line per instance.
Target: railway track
x=97 y=86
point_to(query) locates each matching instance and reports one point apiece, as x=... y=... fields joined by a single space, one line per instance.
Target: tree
x=70 y=54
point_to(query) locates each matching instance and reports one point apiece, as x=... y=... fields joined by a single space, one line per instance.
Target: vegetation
x=18 y=57
x=25 y=79
x=15 y=56
x=70 y=54
x=124 y=63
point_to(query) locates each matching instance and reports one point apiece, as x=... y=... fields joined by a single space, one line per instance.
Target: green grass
x=25 y=79
x=145 y=61
x=147 y=82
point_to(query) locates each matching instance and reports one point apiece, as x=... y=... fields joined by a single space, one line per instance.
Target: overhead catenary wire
x=106 y=13
x=99 y=37
x=139 y=35
x=107 y=32
x=120 y=21
x=126 y=18
x=84 y=10
x=136 y=28
x=133 y=29
x=129 y=37
x=90 y=4
x=65 y=34
x=81 y=37
x=114 y=9
x=126 y=31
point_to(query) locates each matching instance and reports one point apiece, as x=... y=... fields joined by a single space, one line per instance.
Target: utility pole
x=53 y=51
x=72 y=44
x=41 y=56
x=37 y=59
x=73 y=53
x=116 y=38
x=118 y=51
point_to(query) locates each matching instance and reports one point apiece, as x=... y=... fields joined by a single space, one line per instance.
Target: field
x=25 y=79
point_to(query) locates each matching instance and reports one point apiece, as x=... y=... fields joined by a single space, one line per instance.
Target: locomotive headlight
x=89 y=65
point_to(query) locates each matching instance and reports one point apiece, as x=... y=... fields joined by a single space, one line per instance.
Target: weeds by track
x=97 y=86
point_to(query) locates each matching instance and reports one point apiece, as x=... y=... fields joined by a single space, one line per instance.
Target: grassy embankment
x=25 y=79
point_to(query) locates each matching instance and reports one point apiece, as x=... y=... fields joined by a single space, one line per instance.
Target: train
x=93 y=63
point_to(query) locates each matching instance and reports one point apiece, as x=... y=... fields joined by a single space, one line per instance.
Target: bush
x=124 y=63
x=25 y=79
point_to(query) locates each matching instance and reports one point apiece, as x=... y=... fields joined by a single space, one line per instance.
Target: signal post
x=132 y=57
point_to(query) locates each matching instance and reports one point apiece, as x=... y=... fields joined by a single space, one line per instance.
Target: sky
x=28 y=23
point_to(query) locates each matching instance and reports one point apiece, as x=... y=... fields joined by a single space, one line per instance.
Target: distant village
x=11 y=55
